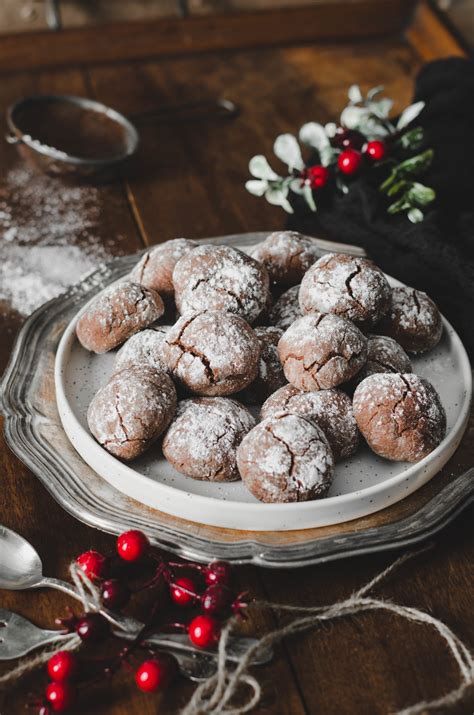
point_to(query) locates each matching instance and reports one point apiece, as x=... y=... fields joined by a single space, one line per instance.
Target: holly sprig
x=366 y=137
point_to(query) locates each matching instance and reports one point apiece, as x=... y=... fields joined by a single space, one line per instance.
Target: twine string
x=213 y=697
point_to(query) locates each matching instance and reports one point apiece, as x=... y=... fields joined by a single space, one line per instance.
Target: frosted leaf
x=287 y=149
x=353 y=117
x=261 y=169
x=296 y=186
x=415 y=215
x=354 y=94
x=409 y=114
x=313 y=134
x=278 y=197
x=331 y=129
x=308 y=195
x=257 y=187
x=381 y=108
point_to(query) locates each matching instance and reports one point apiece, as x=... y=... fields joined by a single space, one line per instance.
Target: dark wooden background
x=188 y=181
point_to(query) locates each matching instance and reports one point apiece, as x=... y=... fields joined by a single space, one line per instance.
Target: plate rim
x=438 y=456
x=60 y=478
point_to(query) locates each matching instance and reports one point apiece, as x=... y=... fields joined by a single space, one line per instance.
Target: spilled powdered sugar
x=41 y=220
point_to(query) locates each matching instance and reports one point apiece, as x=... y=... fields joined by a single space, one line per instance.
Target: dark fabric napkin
x=436 y=255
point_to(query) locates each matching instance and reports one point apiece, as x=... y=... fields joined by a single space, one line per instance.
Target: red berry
x=179 y=591
x=318 y=176
x=62 y=666
x=216 y=600
x=349 y=161
x=154 y=674
x=93 y=564
x=92 y=627
x=348 y=139
x=115 y=594
x=218 y=572
x=204 y=631
x=132 y=545
x=60 y=696
x=376 y=150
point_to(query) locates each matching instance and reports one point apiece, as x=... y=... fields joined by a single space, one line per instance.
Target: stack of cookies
x=208 y=332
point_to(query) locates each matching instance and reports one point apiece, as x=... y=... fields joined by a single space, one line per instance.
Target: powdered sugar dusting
x=144 y=348
x=40 y=221
x=286 y=309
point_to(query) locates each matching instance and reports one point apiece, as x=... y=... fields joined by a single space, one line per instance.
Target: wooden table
x=188 y=181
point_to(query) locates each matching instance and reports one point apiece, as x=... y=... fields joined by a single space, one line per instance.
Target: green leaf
x=415 y=164
x=420 y=195
x=415 y=215
x=400 y=205
x=397 y=187
x=411 y=139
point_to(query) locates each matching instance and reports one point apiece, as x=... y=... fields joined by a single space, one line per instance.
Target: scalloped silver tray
x=34 y=432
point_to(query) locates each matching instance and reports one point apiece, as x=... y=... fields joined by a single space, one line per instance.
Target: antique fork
x=18 y=637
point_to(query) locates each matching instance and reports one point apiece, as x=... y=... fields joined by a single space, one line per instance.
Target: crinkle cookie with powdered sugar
x=400 y=416
x=286 y=255
x=212 y=353
x=144 y=348
x=413 y=320
x=132 y=410
x=286 y=458
x=321 y=351
x=155 y=268
x=331 y=410
x=354 y=288
x=286 y=309
x=202 y=440
x=116 y=314
x=220 y=278
x=270 y=376
x=383 y=355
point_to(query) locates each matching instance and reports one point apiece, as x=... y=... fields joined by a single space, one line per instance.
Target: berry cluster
x=203 y=592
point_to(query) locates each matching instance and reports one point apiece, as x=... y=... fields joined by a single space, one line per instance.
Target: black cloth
x=436 y=255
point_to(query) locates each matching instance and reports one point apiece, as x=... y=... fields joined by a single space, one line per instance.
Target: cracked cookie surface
x=413 y=320
x=144 y=348
x=202 y=440
x=286 y=255
x=400 y=416
x=129 y=413
x=331 y=410
x=116 y=314
x=212 y=353
x=155 y=268
x=286 y=458
x=354 y=288
x=286 y=309
x=220 y=278
x=383 y=355
x=321 y=351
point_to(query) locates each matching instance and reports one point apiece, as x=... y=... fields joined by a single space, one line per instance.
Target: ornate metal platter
x=34 y=432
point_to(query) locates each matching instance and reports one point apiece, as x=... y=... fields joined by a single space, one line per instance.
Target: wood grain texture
x=187 y=179
x=166 y=36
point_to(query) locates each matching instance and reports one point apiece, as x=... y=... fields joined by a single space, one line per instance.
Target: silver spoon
x=19 y=636
x=21 y=568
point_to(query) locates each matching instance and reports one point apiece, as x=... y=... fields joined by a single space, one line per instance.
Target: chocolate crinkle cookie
x=354 y=288
x=270 y=376
x=156 y=266
x=286 y=255
x=331 y=410
x=286 y=309
x=202 y=440
x=144 y=348
x=220 y=278
x=212 y=353
x=400 y=416
x=132 y=410
x=116 y=314
x=321 y=351
x=383 y=355
x=286 y=458
x=413 y=320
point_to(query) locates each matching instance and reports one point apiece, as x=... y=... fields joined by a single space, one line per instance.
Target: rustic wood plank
x=430 y=36
x=189 y=177
x=346 y=19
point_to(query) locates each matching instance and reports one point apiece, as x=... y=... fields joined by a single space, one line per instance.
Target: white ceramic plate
x=362 y=485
